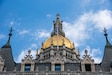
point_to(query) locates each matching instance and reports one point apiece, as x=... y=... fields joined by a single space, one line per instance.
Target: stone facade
x=58 y=56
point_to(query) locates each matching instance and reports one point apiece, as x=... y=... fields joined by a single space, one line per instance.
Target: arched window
x=27 y=67
x=57 y=67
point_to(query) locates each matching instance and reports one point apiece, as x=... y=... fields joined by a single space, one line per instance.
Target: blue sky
x=32 y=22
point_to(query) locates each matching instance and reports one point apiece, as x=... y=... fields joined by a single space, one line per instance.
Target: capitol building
x=57 y=56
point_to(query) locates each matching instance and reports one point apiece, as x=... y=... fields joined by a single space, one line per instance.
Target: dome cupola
x=58 y=36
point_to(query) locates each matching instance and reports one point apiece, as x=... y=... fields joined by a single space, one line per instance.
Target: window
x=87 y=67
x=57 y=67
x=27 y=67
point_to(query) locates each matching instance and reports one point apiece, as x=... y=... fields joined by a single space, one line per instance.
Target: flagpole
x=57 y=36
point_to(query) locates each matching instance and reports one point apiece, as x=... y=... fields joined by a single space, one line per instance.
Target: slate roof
x=6 y=54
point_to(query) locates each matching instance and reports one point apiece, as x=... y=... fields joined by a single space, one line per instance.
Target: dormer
x=87 y=64
x=57 y=64
x=27 y=64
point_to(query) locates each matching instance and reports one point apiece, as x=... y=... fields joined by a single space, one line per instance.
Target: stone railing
x=55 y=73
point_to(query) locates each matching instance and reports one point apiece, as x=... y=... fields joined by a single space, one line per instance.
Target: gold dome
x=58 y=40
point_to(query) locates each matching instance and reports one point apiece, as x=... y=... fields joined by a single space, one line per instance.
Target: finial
x=73 y=45
x=41 y=50
x=78 y=52
x=105 y=30
x=29 y=51
x=58 y=16
x=58 y=26
x=42 y=44
x=37 y=54
x=107 y=42
x=74 y=49
x=11 y=30
x=86 y=52
x=37 y=51
x=7 y=45
x=10 y=34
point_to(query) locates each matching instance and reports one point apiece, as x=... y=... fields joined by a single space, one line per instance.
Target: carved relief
x=87 y=64
x=57 y=60
x=28 y=61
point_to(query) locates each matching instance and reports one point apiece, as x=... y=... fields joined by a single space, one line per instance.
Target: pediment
x=58 y=60
x=28 y=59
x=87 y=60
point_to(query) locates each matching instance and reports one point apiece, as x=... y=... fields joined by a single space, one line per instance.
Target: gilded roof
x=58 y=41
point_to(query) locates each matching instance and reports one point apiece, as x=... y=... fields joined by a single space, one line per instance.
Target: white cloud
x=82 y=29
x=12 y=23
x=102 y=19
x=77 y=31
x=85 y=2
x=23 y=32
x=111 y=39
x=48 y=15
x=103 y=1
x=87 y=23
x=24 y=52
x=2 y=36
x=41 y=34
x=94 y=53
x=33 y=46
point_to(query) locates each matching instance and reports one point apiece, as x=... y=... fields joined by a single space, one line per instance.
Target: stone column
x=64 y=55
x=53 y=67
x=41 y=57
x=83 y=67
x=51 y=55
x=22 y=67
x=62 y=67
x=32 y=67
x=92 y=67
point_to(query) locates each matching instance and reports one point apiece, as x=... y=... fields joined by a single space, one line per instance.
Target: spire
x=58 y=26
x=74 y=49
x=107 y=42
x=7 y=45
x=78 y=54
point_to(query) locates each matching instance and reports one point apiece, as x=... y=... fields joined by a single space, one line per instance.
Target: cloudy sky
x=32 y=22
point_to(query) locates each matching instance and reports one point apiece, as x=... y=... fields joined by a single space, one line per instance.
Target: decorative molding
x=87 y=60
x=28 y=60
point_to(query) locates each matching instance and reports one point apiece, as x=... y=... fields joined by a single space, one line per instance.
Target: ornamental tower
x=58 y=45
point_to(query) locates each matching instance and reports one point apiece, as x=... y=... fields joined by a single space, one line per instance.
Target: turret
x=106 y=36
x=58 y=27
x=6 y=53
x=107 y=58
x=7 y=45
